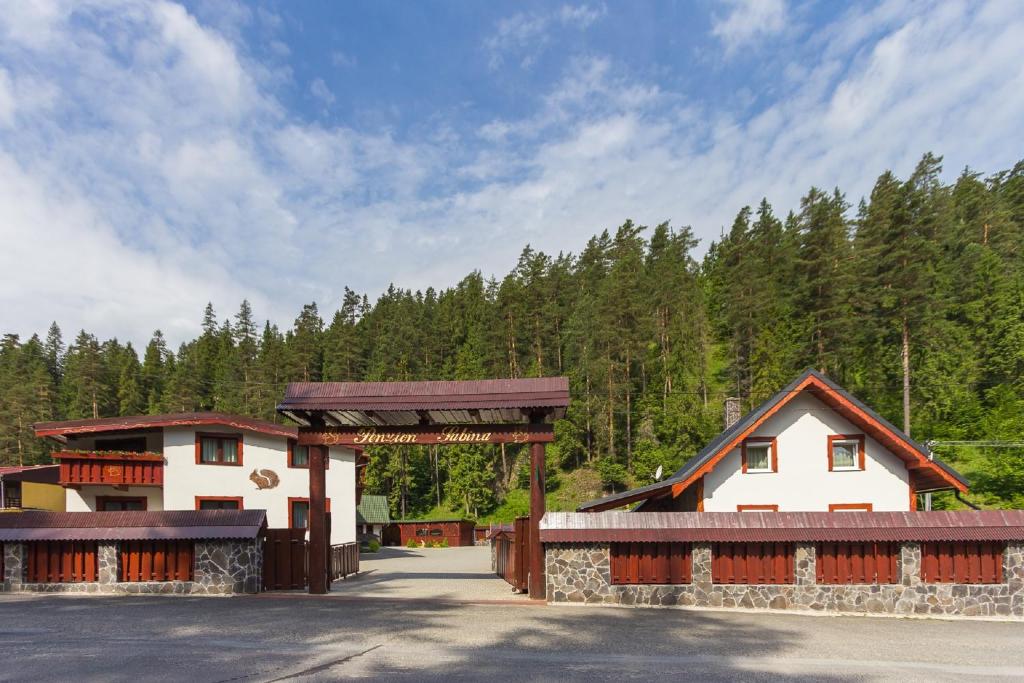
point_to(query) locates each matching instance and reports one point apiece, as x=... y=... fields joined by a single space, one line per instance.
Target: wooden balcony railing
x=110 y=468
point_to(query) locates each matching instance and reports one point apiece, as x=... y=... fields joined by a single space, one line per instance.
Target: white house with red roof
x=199 y=461
x=810 y=447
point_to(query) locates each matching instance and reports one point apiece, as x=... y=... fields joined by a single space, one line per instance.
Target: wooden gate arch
x=434 y=413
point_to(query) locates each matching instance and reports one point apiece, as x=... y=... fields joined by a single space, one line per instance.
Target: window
x=119 y=503
x=298 y=512
x=218 y=449
x=850 y=507
x=298 y=456
x=845 y=452
x=757 y=508
x=136 y=444
x=760 y=454
x=218 y=503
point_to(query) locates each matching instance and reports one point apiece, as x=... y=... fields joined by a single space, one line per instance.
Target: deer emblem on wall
x=264 y=479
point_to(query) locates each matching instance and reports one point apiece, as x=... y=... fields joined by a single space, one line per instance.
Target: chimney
x=732 y=411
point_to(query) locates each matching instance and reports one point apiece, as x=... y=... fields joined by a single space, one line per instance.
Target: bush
x=443 y=543
x=411 y=543
x=373 y=546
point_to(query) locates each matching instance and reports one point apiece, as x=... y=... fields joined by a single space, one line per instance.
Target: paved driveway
x=447 y=573
x=289 y=637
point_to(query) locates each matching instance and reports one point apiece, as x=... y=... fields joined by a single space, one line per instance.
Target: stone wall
x=581 y=573
x=221 y=567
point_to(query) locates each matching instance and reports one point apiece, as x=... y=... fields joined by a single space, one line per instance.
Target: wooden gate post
x=536 y=550
x=319 y=582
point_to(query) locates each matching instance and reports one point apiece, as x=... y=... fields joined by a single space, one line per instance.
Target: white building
x=198 y=461
x=811 y=447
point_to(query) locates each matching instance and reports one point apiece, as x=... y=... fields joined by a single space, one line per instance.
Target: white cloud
x=748 y=21
x=525 y=35
x=342 y=60
x=320 y=91
x=158 y=171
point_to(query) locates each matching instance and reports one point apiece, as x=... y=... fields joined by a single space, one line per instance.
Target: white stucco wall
x=184 y=479
x=84 y=498
x=803 y=482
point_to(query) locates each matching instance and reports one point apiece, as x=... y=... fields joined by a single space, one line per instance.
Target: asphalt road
x=299 y=638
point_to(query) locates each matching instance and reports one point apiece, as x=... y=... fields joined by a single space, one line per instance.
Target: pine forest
x=912 y=298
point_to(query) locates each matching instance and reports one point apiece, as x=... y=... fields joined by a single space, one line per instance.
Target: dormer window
x=845 y=452
x=760 y=454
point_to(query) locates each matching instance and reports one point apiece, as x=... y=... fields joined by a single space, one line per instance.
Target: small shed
x=372 y=515
x=457 y=532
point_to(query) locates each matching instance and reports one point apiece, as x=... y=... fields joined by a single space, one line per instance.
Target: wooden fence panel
x=752 y=563
x=962 y=562
x=855 y=563
x=157 y=560
x=284 y=559
x=651 y=563
x=61 y=561
x=344 y=560
x=511 y=550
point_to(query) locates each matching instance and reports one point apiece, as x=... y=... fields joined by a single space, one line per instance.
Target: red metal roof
x=968 y=525
x=502 y=399
x=142 y=422
x=143 y=525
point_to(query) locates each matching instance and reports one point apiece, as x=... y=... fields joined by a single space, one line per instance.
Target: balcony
x=110 y=468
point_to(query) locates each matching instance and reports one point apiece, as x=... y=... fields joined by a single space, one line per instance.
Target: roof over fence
x=434 y=402
x=752 y=527
x=132 y=525
x=106 y=425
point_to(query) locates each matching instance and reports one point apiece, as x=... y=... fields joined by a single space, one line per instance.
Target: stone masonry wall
x=220 y=568
x=581 y=573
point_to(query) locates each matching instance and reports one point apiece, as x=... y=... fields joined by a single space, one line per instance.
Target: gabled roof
x=373 y=510
x=928 y=474
x=104 y=425
x=411 y=403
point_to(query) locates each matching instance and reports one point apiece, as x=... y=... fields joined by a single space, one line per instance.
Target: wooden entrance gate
x=284 y=559
x=512 y=554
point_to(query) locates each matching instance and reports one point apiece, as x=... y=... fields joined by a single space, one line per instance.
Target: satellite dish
x=657 y=474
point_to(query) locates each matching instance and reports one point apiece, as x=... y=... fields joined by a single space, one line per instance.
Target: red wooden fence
x=61 y=561
x=752 y=563
x=846 y=563
x=156 y=560
x=962 y=562
x=666 y=563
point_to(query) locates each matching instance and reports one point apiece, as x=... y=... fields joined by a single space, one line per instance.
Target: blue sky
x=155 y=156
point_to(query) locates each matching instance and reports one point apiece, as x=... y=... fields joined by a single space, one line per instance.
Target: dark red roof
x=142 y=422
x=40 y=474
x=967 y=525
x=441 y=402
x=142 y=525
